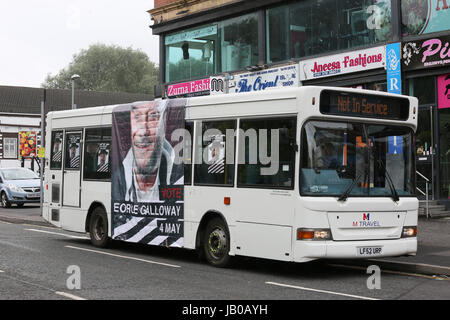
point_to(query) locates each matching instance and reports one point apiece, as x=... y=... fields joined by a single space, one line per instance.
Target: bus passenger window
x=211 y=167
x=56 y=154
x=276 y=169
x=97 y=154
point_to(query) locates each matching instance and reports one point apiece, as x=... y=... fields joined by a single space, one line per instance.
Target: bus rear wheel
x=216 y=243
x=98 y=228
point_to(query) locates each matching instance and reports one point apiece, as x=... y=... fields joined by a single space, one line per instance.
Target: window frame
x=66 y=134
x=293 y=175
x=16 y=149
x=86 y=142
x=199 y=124
x=53 y=136
x=349 y=121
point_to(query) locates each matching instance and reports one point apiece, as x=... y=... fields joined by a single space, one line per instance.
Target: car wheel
x=98 y=228
x=5 y=201
x=216 y=243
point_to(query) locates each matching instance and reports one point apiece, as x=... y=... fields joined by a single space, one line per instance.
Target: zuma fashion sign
x=147 y=201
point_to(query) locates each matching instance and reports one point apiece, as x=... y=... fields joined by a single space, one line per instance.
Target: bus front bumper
x=311 y=250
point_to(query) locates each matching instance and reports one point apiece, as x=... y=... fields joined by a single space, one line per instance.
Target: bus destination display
x=363 y=105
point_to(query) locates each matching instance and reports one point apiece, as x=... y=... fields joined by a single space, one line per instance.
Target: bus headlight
x=409 y=232
x=314 y=234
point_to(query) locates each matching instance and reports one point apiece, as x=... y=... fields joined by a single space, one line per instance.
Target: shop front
x=426 y=65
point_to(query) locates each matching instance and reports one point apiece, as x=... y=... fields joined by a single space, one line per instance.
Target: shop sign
x=217 y=85
x=393 y=67
x=444 y=91
x=282 y=77
x=434 y=52
x=343 y=63
x=189 y=89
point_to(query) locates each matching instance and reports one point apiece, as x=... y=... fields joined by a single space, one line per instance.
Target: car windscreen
x=18 y=174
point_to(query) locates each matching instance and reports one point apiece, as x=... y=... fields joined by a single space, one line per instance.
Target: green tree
x=108 y=68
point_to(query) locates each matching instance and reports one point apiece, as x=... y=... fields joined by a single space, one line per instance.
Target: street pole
x=42 y=160
x=73 y=78
x=73 y=94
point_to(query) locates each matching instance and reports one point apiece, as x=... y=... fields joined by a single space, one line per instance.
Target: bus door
x=72 y=169
x=266 y=197
x=52 y=194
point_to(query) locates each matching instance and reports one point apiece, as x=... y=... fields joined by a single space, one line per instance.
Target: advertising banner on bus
x=147 y=200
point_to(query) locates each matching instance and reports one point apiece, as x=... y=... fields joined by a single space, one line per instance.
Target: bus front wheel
x=216 y=243
x=98 y=228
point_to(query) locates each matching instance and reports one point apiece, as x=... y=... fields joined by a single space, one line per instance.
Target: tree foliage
x=108 y=68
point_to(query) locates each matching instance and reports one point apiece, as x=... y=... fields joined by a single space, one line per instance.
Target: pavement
x=433 y=256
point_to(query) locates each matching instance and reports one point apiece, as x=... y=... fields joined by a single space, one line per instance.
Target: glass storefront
x=422 y=17
x=220 y=47
x=311 y=27
x=444 y=143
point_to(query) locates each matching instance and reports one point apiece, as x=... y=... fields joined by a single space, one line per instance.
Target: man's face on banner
x=147 y=133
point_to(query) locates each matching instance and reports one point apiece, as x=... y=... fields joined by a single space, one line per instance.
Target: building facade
x=20 y=117
x=221 y=46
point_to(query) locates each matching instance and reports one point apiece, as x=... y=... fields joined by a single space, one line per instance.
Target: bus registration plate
x=369 y=251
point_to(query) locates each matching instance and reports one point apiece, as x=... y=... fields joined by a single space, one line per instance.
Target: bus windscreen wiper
x=395 y=195
x=345 y=195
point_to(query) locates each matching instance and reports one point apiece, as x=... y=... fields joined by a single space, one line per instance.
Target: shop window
x=444 y=134
x=305 y=28
x=10 y=148
x=224 y=46
x=422 y=17
x=377 y=86
x=424 y=89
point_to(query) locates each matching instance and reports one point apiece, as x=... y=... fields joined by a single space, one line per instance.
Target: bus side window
x=56 y=154
x=211 y=167
x=97 y=154
x=278 y=173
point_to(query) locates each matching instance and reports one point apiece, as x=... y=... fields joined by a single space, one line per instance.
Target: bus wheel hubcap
x=217 y=243
x=99 y=230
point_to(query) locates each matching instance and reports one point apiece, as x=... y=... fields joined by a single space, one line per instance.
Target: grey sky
x=40 y=37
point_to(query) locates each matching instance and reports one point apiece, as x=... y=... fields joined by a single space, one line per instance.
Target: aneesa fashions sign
x=337 y=64
x=434 y=52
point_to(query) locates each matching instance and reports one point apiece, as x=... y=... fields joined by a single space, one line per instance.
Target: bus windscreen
x=364 y=105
